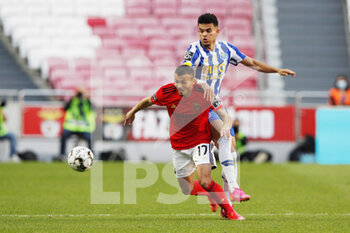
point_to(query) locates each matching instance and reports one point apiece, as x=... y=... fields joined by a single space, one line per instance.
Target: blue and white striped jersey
x=212 y=65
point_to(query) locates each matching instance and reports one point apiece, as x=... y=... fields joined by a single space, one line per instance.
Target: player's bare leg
x=228 y=160
x=186 y=184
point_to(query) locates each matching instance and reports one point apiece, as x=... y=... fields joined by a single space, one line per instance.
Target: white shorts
x=186 y=161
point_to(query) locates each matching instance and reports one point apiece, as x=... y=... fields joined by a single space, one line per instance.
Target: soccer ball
x=80 y=158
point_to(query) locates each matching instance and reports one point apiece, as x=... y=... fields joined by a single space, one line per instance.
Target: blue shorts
x=214 y=116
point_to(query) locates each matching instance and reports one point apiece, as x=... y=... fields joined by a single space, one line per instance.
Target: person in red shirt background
x=340 y=93
x=190 y=135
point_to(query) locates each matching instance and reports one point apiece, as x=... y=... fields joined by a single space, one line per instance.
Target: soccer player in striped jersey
x=211 y=59
x=190 y=135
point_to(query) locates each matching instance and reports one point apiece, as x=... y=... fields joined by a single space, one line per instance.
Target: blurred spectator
x=241 y=139
x=340 y=93
x=80 y=120
x=6 y=135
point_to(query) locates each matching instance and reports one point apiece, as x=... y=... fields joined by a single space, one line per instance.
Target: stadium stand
x=99 y=44
x=313 y=42
x=11 y=74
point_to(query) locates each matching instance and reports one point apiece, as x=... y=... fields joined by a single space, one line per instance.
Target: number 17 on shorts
x=201 y=154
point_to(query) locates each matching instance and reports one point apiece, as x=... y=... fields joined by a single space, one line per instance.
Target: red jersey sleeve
x=157 y=98
x=161 y=97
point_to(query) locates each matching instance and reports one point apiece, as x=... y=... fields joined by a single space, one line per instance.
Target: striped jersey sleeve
x=236 y=55
x=191 y=57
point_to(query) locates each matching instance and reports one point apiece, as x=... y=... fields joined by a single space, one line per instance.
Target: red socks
x=216 y=192
x=198 y=190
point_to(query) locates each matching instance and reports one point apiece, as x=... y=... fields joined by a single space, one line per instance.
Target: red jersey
x=189 y=124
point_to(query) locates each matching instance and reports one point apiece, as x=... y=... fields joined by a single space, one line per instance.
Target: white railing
x=299 y=99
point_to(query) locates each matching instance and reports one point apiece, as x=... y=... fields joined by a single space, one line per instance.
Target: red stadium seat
x=103 y=31
x=177 y=32
x=191 y=3
x=154 y=32
x=141 y=74
x=242 y=4
x=190 y=11
x=105 y=52
x=127 y=32
x=219 y=8
x=154 y=53
x=118 y=72
x=172 y=3
x=238 y=32
x=93 y=22
x=116 y=22
x=146 y=21
x=162 y=43
x=232 y=23
x=164 y=11
x=165 y=74
x=137 y=61
x=82 y=64
x=130 y=51
x=167 y=61
x=137 y=43
x=56 y=63
x=164 y=7
x=138 y=49
x=241 y=13
x=58 y=76
x=169 y=22
x=111 y=62
x=113 y=43
x=141 y=9
x=116 y=78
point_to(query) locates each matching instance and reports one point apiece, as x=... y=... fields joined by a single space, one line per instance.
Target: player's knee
x=186 y=190
x=204 y=182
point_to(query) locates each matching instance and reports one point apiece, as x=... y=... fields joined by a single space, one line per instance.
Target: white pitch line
x=166 y=215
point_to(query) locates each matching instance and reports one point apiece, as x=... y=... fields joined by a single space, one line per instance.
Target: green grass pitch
x=51 y=197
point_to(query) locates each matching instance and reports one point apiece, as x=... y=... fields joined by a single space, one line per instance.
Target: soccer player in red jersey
x=190 y=135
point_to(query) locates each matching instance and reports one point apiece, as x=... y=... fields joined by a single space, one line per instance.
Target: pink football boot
x=238 y=196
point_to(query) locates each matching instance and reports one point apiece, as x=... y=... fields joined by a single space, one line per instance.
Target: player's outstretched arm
x=225 y=130
x=143 y=104
x=265 y=68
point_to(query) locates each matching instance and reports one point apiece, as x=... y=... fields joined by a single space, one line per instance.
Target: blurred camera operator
x=6 y=135
x=79 y=119
x=241 y=139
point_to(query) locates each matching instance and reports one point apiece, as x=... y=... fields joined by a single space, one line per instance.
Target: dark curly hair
x=208 y=18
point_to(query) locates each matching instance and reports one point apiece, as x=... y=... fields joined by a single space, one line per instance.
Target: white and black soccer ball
x=80 y=158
